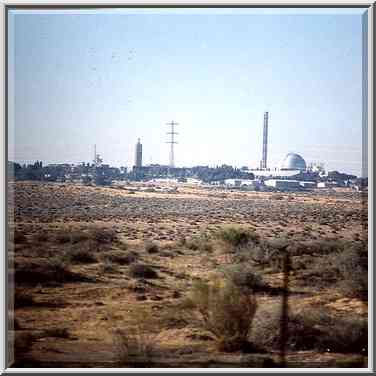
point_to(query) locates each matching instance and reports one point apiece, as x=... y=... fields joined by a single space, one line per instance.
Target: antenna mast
x=172 y=142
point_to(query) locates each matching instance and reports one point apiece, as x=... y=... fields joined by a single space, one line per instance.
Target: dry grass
x=117 y=228
x=137 y=341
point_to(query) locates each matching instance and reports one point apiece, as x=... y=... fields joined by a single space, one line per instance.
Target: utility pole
x=172 y=142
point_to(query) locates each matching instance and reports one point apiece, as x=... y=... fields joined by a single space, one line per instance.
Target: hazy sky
x=107 y=77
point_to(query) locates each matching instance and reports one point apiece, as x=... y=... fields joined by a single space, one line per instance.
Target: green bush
x=226 y=311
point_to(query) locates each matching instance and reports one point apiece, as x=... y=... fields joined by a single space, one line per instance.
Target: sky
x=108 y=77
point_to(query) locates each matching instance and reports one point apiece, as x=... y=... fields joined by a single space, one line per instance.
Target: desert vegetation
x=190 y=279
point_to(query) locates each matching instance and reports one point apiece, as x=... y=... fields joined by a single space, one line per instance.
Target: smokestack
x=265 y=141
x=138 y=154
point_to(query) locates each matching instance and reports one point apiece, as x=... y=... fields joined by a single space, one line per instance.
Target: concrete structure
x=275 y=173
x=138 y=155
x=327 y=184
x=264 y=159
x=308 y=184
x=293 y=161
x=242 y=183
x=283 y=184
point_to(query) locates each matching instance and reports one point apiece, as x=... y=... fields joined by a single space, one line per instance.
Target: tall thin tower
x=97 y=158
x=172 y=142
x=138 y=154
x=265 y=141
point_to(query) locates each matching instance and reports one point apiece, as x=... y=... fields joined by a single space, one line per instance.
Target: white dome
x=293 y=161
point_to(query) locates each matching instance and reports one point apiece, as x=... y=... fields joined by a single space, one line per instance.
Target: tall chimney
x=138 y=154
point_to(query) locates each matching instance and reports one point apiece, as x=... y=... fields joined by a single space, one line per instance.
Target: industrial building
x=293 y=161
x=308 y=184
x=283 y=184
x=293 y=166
x=242 y=183
x=138 y=155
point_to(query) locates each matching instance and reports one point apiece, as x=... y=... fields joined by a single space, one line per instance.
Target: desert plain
x=105 y=276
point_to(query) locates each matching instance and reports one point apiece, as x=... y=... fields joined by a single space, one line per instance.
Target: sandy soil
x=91 y=311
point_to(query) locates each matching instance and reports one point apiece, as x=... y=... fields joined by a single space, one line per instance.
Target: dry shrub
x=23 y=298
x=270 y=253
x=71 y=236
x=122 y=245
x=103 y=235
x=57 y=333
x=353 y=270
x=19 y=237
x=346 y=268
x=142 y=271
x=109 y=267
x=151 y=247
x=23 y=342
x=121 y=258
x=47 y=272
x=311 y=329
x=95 y=234
x=277 y=197
x=244 y=278
x=226 y=311
x=200 y=242
x=82 y=256
x=318 y=247
x=237 y=236
x=40 y=237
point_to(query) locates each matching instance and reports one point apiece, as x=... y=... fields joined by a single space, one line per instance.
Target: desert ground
x=117 y=277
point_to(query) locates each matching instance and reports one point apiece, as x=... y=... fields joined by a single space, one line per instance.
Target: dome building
x=293 y=161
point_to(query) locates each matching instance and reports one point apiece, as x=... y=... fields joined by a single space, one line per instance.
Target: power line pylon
x=172 y=142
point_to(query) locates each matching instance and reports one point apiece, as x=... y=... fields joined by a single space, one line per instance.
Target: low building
x=242 y=183
x=327 y=184
x=283 y=184
x=308 y=184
